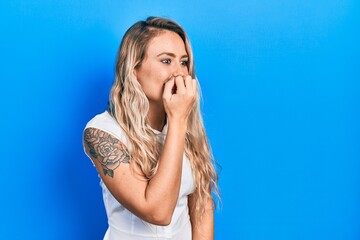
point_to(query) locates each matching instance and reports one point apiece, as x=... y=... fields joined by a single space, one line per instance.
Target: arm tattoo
x=108 y=150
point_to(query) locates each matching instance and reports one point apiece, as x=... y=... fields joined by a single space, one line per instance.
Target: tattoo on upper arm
x=108 y=150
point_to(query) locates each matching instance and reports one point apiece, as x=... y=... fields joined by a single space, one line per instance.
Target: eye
x=166 y=61
x=184 y=63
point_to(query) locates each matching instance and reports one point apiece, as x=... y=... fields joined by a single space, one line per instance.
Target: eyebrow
x=172 y=55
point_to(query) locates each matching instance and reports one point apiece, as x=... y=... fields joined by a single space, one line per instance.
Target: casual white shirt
x=123 y=225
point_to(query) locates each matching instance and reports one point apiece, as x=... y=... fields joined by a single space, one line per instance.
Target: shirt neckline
x=162 y=132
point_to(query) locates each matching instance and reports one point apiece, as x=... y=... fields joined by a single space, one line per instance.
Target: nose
x=180 y=70
x=178 y=74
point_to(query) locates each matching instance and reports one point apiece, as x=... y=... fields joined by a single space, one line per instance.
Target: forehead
x=166 y=41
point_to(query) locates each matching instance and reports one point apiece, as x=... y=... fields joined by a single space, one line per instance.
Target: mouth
x=174 y=88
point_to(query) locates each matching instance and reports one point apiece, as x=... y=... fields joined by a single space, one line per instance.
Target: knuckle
x=179 y=77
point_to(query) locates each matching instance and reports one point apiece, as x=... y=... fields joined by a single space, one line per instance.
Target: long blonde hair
x=129 y=106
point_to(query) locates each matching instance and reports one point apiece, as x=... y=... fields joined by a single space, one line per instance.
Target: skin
x=171 y=92
x=203 y=229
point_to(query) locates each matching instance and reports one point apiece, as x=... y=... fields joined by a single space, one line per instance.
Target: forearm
x=204 y=230
x=163 y=189
x=202 y=226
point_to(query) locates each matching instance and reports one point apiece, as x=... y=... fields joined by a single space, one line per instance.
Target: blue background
x=281 y=93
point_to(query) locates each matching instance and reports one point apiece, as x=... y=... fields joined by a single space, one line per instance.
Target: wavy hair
x=129 y=106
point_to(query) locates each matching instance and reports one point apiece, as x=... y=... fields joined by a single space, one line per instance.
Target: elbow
x=159 y=213
x=160 y=219
x=163 y=223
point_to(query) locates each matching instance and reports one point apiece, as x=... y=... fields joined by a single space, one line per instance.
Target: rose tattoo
x=108 y=150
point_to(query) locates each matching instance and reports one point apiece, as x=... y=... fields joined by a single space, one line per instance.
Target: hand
x=179 y=97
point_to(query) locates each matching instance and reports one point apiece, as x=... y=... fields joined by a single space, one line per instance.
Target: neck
x=156 y=116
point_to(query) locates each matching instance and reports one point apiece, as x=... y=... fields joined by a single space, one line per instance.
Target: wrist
x=177 y=123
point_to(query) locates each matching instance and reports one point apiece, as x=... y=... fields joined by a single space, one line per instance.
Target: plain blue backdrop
x=281 y=103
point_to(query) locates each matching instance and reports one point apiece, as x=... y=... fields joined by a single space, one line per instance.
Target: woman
x=150 y=147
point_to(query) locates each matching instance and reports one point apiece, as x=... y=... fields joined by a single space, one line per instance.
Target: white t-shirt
x=123 y=225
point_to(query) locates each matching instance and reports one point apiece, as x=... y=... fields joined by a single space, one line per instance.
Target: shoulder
x=106 y=124
x=102 y=120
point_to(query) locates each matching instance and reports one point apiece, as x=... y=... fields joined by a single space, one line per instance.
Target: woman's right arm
x=153 y=201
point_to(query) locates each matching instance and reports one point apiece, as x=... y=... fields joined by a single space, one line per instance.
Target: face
x=165 y=57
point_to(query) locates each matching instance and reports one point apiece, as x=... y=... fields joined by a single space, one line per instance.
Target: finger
x=180 y=86
x=168 y=88
x=188 y=83
x=194 y=86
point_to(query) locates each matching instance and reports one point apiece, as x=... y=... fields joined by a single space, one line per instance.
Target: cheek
x=157 y=79
x=153 y=84
x=163 y=75
x=152 y=78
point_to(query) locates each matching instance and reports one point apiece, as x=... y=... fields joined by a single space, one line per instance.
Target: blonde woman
x=150 y=147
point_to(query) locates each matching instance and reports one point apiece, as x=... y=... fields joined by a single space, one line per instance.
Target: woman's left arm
x=202 y=227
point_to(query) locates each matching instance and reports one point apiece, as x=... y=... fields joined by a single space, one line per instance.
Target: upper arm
x=111 y=159
x=106 y=151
